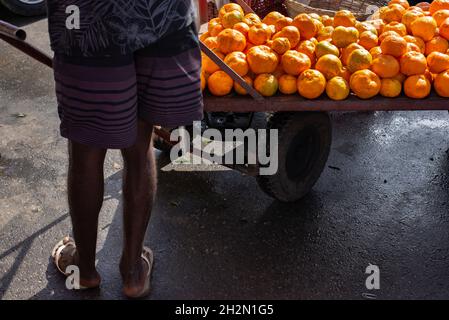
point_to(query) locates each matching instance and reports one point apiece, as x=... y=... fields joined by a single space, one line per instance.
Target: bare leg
x=139 y=187
x=85 y=193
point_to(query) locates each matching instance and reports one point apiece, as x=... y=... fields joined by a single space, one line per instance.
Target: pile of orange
x=402 y=48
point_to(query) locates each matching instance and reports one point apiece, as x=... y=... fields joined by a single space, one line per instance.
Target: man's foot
x=64 y=254
x=136 y=279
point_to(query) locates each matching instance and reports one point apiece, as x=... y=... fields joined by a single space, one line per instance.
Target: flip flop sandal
x=62 y=250
x=148 y=257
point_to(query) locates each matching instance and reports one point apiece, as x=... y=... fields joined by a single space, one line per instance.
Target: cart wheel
x=26 y=7
x=304 y=145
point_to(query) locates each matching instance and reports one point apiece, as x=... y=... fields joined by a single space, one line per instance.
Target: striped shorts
x=100 y=100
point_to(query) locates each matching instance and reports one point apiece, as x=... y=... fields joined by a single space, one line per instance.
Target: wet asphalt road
x=215 y=235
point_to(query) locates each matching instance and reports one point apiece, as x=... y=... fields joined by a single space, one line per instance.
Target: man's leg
x=139 y=187
x=85 y=192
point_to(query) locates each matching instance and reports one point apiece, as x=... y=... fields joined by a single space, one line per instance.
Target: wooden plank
x=236 y=103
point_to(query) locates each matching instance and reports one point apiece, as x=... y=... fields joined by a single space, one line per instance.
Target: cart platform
x=238 y=103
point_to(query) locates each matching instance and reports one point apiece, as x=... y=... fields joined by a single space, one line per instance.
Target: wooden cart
x=304 y=126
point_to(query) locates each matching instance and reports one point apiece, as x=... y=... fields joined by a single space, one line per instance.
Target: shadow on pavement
x=22 y=248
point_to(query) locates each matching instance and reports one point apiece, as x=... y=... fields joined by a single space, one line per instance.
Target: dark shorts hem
x=172 y=123
x=97 y=144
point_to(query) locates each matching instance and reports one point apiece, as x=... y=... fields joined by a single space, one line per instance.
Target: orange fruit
x=204 y=36
x=208 y=65
x=212 y=23
x=413 y=63
x=418 y=41
x=325 y=47
x=231 y=18
x=424 y=6
x=415 y=8
x=345 y=74
x=287 y=84
x=391 y=13
x=242 y=27
x=211 y=43
x=440 y=16
x=444 y=29
x=394 y=45
x=311 y=84
x=429 y=75
x=424 y=27
x=385 y=66
x=347 y=51
x=329 y=65
x=344 y=36
x=368 y=40
x=400 y=77
x=266 y=84
x=396 y=26
x=314 y=40
x=230 y=40
x=259 y=34
x=319 y=26
x=409 y=17
x=436 y=44
x=365 y=84
x=219 y=83
x=262 y=59
x=291 y=33
x=359 y=59
x=306 y=26
x=437 y=5
x=229 y=8
x=315 y=16
x=412 y=47
x=344 y=18
x=280 y=45
x=417 y=86
x=325 y=33
x=282 y=23
x=378 y=24
x=237 y=61
x=441 y=84
x=337 y=88
x=307 y=47
x=203 y=81
x=251 y=19
x=365 y=26
x=294 y=62
x=216 y=29
x=327 y=20
x=239 y=89
x=390 y=87
x=403 y=3
x=438 y=62
x=272 y=17
x=386 y=34
x=249 y=45
x=375 y=52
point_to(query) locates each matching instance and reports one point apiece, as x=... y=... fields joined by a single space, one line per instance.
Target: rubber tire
x=24 y=9
x=283 y=186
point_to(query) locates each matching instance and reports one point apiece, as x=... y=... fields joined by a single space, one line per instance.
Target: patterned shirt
x=115 y=27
